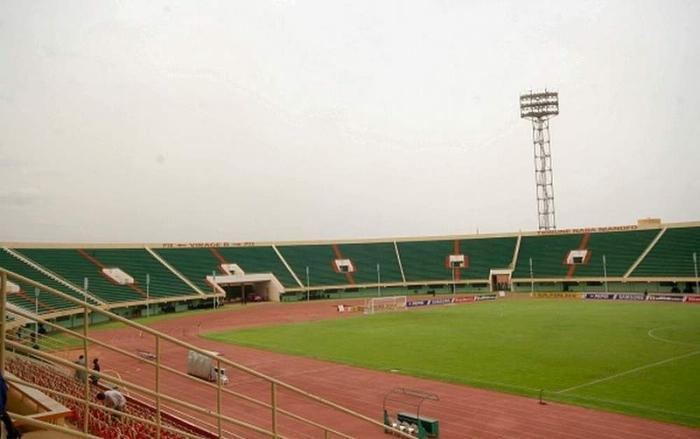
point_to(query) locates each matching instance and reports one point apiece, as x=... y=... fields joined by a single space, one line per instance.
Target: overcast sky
x=132 y=121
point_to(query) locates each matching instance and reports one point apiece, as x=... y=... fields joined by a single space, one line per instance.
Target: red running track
x=463 y=412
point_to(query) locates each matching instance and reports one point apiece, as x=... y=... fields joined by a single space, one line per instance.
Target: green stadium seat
x=259 y=260
x=138 y=263
x=193 y=263
x=366 y=256
x=72 y=266
x=319 y=259
x=53 y=302
x=425 y=260
x=548 y=255
x=621 y=250
x=672 y=256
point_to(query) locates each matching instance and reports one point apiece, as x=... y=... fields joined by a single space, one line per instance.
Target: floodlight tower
x=539 y=107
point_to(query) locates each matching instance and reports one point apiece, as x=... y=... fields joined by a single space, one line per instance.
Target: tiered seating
x=621 y=250
x=138 y=263
x=365 y=258
x=425 y=260
x=23 y=300
x=193 y=263
x=258 y=260
x=485 y=254
x=548 y=255
x=52 y=302
x=101 y=423
x=74 y=267
x=319 y=259
x=672 y=255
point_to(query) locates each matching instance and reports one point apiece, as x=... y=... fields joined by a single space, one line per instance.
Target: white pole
x=148 y=294
x=86 y=284
x=36 y=312
x=532 y=280
x=454 y=286
x=379 y=280
x=695 y=263
x=605 y=273
x=308 y=285
x=213 y=286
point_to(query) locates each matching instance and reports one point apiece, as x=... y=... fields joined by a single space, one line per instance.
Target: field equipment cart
x=402 y=411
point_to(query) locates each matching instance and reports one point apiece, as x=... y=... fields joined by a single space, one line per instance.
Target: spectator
x=113 y=399
x=41 y=330
x=12 y=432
x=96 y=368
x=80 y=373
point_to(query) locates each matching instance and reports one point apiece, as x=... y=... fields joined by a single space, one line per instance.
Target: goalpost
x=385 y=304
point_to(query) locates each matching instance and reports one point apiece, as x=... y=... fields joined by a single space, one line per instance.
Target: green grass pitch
x=637 y=358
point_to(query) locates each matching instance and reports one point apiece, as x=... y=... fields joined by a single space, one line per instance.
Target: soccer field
x=637 y=358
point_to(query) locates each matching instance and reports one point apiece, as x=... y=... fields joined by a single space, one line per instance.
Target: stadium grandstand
x=70 y=288
x=648 y=256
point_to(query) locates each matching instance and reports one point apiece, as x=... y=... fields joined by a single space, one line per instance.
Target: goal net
x=385 y=304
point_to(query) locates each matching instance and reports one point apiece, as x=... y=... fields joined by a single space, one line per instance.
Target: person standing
x=96 y=367
x=80 y=373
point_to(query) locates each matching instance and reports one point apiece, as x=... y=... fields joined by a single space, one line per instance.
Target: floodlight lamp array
x=539 y=105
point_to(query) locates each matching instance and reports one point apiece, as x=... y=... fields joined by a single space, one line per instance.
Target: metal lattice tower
x=539 y=107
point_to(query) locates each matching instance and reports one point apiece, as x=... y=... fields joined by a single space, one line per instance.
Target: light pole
x=148 y=293
x=695 y=264
x=605 y=273
x=539 y=107
x=308 y=285
x=532 y=279
x=379 y=280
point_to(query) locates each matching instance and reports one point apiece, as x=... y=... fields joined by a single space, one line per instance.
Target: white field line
x=417 y=373
x=656 y=337
x=627 y=372
x=633 y=405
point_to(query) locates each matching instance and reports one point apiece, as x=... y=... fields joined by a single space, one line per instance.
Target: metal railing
x=222 y=421
x=28 y=420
